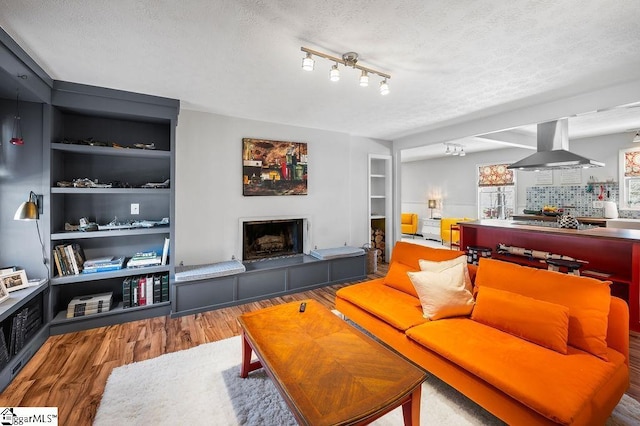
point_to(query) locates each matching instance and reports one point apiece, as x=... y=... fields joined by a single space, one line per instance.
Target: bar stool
x=572 y=266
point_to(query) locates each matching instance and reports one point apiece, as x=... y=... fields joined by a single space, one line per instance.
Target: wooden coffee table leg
x=247 y=365
x=411 y=408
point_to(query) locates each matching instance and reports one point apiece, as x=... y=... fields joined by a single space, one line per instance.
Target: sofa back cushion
x=540 y=322
x=588 y=299
x=443 y=294
x=409 y=254
x=406 y=258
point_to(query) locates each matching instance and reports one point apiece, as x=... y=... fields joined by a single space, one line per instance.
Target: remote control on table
x=303 y=306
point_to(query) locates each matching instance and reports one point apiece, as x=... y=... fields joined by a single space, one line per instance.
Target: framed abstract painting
x=274 y=167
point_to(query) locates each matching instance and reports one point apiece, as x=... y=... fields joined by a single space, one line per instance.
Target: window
x=629 y=168
x=496 y=191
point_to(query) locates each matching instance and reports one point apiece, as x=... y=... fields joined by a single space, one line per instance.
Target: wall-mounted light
x=636 y=138
x=348 y=59
x=30 y=209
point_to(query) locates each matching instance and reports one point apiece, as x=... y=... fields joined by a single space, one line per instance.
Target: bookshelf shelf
x=124 y=272
x=76 y=235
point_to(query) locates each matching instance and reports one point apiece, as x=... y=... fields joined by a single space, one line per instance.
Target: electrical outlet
x=135 y=208
x=598 y=204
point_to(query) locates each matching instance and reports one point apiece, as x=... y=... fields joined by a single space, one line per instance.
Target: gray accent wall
x=21 y=171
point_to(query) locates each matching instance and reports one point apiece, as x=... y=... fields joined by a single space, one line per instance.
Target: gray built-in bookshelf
x=93 y=136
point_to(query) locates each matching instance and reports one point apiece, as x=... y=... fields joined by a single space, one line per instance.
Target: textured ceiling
x=242 y=58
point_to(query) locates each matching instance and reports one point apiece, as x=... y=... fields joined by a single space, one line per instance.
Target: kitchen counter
x=599 y=221
x=611 y=254
x=594 y=232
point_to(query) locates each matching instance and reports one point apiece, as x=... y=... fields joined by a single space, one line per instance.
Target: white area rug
x=201 y=386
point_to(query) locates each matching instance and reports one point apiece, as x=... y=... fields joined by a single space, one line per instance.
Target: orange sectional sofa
x=539 y=347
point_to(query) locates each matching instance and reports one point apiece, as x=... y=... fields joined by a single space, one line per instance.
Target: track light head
x=334 y=74
x=364 y=79
x=308 y=62
x=384 y=87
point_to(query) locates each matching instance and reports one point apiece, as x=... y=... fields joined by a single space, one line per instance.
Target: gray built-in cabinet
x=84 y=119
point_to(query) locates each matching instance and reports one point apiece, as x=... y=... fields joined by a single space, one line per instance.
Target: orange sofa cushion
x=588 y=299
x=540 y=322
x=556 y=386
x=397 y=278
x=405 y=257
x=394 y=307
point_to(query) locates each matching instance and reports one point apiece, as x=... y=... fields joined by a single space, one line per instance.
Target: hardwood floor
x=71 y=370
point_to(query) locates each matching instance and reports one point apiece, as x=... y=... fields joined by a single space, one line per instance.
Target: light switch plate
x=598 y=204
x=135 y=208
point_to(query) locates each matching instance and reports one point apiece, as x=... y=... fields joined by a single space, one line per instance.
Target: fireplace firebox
x=262 y=239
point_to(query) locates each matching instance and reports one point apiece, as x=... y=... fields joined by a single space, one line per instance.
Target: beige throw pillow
x=433 y=266
x=443 y=294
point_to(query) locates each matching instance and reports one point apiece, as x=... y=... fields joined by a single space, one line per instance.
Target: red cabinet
x=609 y=254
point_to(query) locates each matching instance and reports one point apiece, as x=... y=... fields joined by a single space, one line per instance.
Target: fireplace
x=262 y=239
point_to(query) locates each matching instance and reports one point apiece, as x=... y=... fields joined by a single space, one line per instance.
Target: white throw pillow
x=443 y=294
x=433 y=266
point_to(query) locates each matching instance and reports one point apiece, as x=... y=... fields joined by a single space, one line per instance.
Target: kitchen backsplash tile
x=577 y=198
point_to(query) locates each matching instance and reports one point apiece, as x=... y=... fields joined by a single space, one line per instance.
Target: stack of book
x=144 y=259
x=144 y=290
x=102 y=264
x=24 y=325
x=69 y=259
x=81 y=306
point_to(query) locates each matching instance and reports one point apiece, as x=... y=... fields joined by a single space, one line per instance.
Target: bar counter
x=606 y=253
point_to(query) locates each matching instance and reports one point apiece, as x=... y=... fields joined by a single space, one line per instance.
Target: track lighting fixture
x=458 y=149
x=348 y=59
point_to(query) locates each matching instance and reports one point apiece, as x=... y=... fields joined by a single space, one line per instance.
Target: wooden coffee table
x=328 y=372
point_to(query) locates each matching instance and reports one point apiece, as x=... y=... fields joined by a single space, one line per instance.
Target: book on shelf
x=165 y=251
x=145 y=290
x=68 y=258
x=103 y=265
x=89 y=304
x=143 y=262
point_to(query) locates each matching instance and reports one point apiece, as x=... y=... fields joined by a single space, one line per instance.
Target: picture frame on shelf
x=4 y=294
x=14 y=281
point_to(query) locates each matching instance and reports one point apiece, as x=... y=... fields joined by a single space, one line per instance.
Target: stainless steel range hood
x=553 y=150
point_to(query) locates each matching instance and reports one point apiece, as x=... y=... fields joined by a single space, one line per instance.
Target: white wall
x=453 y=179
x=209 y=198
